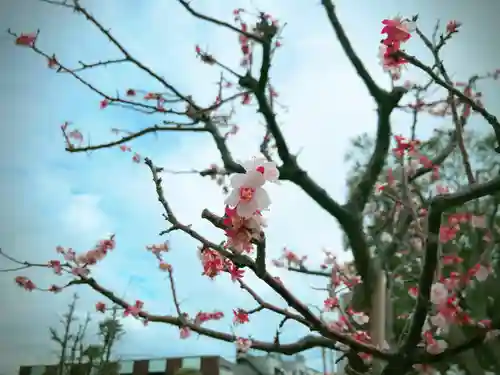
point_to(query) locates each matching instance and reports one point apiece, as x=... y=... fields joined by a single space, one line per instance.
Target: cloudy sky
x=49 y=197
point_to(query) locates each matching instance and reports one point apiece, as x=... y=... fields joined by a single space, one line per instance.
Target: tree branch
x=437 y=206
x=491 y=119
x=375 y=91
x=152 y=129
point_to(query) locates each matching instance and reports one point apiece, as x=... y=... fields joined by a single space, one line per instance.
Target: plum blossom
x=452 y=26
x=25 y=283
x=56 y=266
x=436 y=346
x=134 y=310
x=267 y=168
x=100 y=306
x=240 y=231
x=331 y=303
x=80 y=271
x=340 y=325
x=425 y=369
x=389 y=63
x=243 y=345
x=184 y=332
x=413 y=291
x=248 y=196
x=240 y=316
x=439 y=294
x=480 y=272
x=27 y=40
x=440 y=321
x=360 y=318
x=398 y=29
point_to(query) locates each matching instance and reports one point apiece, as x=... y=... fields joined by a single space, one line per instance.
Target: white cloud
x=84 y=217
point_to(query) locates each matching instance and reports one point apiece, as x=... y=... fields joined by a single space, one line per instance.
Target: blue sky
x=49 y=197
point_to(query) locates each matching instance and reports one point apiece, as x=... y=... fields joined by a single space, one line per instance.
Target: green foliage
x=401 y=257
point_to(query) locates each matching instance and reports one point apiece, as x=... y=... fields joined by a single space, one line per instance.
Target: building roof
x=257 y=363
x=168 y=366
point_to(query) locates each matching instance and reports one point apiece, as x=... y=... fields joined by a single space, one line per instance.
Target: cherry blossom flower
x=397 y=29
x=235 y=272
x=203 y=317
x=212 y=262
x=136 y=158
x=240 y=316
x=52 y=62
x=55 y=289
x=413 y=291
x=158 y=249
x=104 y=103
x=248 y=196
x=360 y=318
x=240 y=231
x=389 y=63
x=69 y=255
x=340 y=325
x=56 y=266
x=100 y=306
x=184 y=332
x=331 y=303
x=27 y=40
x=439 y=293
x=425 y=369
x=80 y=271
x=134 y=310
x=452 y=26
x=76 y=135
x=440 y=321
x=25 y=283
x=267 y=168
x=436 y=346
x=243 y=345
x=480 y=272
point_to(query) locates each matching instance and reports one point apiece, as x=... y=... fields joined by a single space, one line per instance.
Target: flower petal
x=262 y=199
x=232 y=199
x=254 y=179
x=237 y=180
x=247 y=209
x=271 y=172
x=253 y=163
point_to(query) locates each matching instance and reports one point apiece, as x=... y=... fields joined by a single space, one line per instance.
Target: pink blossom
x=247 y=195
x=439 y=294
x=243 y=345
x=134 y=310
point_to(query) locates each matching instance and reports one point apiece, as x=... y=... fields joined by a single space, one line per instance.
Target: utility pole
x=323 y=356
x=332 y=361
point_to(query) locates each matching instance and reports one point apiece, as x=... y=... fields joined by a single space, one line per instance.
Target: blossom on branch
x=247 y=195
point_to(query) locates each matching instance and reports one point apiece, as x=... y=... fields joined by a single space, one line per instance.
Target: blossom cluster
x=247 y=200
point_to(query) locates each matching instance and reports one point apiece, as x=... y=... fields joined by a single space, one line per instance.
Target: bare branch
x=187 y=6
x=375 y=91
x=153 y=129
x=491 y=119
